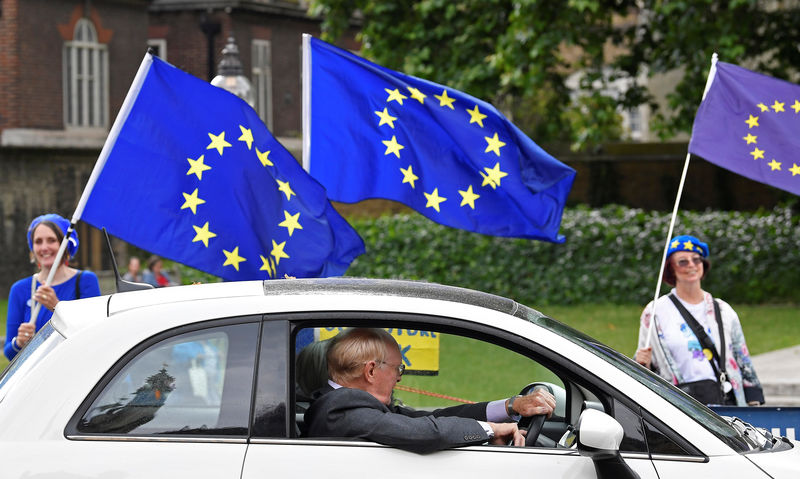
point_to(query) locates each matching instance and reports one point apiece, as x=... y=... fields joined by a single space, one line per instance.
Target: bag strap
x=722 y=348
x=703 y=337
x=78 y=284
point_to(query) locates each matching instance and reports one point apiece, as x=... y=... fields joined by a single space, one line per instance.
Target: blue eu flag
x=748 y=123
x=377 y=133
x=193 y=174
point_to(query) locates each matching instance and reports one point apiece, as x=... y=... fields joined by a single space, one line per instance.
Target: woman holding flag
x=45 y=235
x=698 y=343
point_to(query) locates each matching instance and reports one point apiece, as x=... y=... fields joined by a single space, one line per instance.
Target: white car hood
x=778 y=464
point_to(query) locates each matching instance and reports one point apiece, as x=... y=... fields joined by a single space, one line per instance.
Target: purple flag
x=749 y=123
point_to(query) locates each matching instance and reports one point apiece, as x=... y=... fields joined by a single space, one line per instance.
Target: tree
x=521 y=54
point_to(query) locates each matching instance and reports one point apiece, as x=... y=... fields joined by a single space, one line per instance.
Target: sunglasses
x=684 y=263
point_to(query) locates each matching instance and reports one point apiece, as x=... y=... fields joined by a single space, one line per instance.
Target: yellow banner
x=420 y=349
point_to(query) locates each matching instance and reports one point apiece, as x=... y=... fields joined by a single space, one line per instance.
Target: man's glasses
x=400 y=369
x=684 y=263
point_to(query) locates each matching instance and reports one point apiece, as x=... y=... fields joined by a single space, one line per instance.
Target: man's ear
x=369 y=371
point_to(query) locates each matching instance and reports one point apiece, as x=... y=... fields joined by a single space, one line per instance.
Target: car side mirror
x=599 y=436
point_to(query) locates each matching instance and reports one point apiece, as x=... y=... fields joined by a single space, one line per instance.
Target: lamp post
x=230 y=74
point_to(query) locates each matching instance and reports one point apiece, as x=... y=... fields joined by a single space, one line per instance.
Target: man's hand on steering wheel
x=507 y=433
x=536 y=403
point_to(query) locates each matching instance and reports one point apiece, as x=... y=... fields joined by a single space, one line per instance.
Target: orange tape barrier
x=428 y=393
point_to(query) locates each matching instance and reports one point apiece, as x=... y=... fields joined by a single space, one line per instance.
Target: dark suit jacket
x=354 y=413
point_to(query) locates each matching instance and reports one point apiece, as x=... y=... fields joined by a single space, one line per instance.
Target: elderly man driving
x=364 y=364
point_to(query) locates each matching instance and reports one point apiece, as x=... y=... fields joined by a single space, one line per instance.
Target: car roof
x=108 y=306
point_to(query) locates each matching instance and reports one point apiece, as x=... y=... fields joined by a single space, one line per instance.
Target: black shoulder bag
x=708 y=391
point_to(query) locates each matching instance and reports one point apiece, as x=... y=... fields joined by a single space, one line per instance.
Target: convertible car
x=205 y=381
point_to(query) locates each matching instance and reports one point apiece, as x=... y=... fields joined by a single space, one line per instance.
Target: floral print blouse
x=677 y=353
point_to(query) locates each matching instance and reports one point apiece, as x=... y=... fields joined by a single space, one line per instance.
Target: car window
x=442 y=370
x=631 y=422
x=196 y=383
x=45 y=341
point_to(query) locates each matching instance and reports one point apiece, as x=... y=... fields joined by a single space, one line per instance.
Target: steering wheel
x=533 y=424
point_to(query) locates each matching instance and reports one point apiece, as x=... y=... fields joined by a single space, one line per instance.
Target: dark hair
x=152 y=260
x=669 y=270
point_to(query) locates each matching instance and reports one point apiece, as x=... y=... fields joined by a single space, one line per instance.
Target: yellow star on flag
x=277 y=251
x=386 y=118
x=796 y=106
x=232 y=258
x=417 y=95
x=197 y=167
x=752 y=121
x=409 y=176
x=268 y=266
x=493 y=176
x=778 y=106
x=688 y=245
x=291 y=222
x=795 y=169
x=475 y=116
x=757 y=154
x=445 y=100
x=395 y=95
x=264 y=157
x=218 y=142
x=493 y=144
x=749 y=138
x=763 y=107
x=247 y=136
x=468 y=197
x=192 y=201
x=287 y=190
x=392 y=146
x=203 y=234
x=774 y=165
x=434 y=199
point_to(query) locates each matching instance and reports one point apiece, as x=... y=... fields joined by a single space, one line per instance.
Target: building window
x=262 y=80
x=635 y=123
x=159 y=46
x=85 y=79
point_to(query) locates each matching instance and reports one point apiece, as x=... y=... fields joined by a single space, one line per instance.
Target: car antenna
x=122 y=285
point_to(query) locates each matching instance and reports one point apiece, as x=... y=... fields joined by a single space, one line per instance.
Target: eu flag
x=748 y=123
x=376 y=133
x=194 y=175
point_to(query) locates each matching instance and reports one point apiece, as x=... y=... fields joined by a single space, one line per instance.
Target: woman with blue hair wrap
x=44 y=238
x=698 y=343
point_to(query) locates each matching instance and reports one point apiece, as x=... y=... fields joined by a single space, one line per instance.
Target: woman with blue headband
x=44 y=239
x=698 y=343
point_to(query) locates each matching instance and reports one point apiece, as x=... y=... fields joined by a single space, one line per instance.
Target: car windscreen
x=697 y=411
x=45 y=341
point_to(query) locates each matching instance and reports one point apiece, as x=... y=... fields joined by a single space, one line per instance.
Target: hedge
x=611 y=255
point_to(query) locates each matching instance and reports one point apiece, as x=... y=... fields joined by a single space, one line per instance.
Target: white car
x=201 y=382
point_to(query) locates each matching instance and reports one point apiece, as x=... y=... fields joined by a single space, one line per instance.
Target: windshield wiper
x=758 y=438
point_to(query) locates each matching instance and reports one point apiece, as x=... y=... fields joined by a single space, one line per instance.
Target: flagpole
x=111 y=139
x=711 y=74
x=306 y=101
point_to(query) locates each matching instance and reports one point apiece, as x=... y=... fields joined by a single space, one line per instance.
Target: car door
x=177 y=406
x=495 y=370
